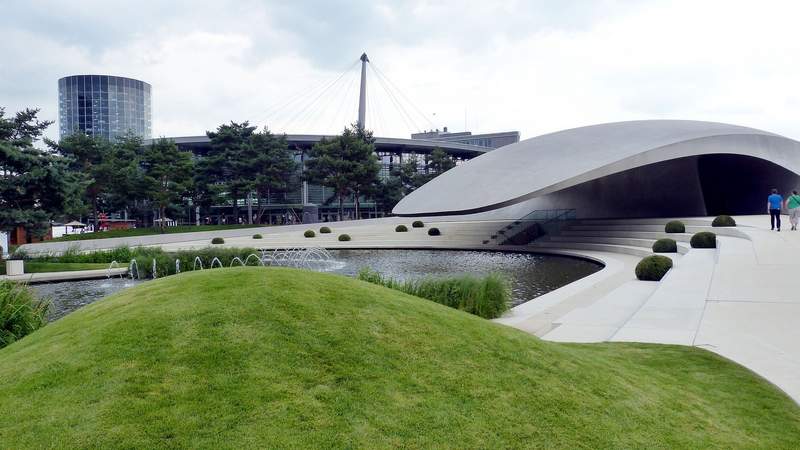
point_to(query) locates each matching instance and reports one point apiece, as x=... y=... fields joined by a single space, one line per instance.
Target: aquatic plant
x=486 y=296
x=21 y=313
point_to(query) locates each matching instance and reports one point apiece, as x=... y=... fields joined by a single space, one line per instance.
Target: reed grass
x=21 y=313
x=486 y=296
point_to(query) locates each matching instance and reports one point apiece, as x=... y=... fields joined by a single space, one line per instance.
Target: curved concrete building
x=651 y=168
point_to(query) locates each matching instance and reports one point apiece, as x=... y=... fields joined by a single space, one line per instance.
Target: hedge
x=723 y=221
x=401 y=228
x=344 y=237
x=309 y=233
x=218 y=240
x=675 y=226
x=417 y=224
x=704 y=239
x=434 y=232
x=325 y=230
x=653 y=268
x=665 y=245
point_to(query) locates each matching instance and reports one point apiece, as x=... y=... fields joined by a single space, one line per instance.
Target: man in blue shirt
x=774 y=203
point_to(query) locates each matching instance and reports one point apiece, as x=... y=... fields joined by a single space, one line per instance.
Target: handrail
x=539 y=218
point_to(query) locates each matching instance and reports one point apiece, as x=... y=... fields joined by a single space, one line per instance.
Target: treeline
x=81 y=176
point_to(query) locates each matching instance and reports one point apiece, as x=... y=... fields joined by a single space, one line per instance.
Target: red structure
x=20 y=236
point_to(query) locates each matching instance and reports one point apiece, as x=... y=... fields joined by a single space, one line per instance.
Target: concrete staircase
x=630 y=237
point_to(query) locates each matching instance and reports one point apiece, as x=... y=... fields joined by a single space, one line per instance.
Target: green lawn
x=281 y=358
x=148 y=231
x=39 y=267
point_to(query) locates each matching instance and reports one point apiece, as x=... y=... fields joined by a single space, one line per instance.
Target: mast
x=362 y=98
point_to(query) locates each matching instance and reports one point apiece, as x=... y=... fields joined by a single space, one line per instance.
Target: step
x=651 y=221
x=652 y=235
x=599 y=321
x=633 y=242
x=610 y=248
x=616 y=227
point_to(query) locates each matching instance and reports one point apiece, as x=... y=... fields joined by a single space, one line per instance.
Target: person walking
x=774 y=203
x=793 y=205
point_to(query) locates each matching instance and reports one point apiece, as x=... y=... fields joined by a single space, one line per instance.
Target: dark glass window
x=104 y=84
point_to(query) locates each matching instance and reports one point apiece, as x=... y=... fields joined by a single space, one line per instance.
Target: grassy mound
x=253 y=357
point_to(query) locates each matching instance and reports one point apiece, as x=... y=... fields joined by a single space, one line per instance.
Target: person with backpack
x=774 y=204
x=793 y=205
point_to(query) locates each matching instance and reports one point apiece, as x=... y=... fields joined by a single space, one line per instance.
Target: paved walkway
x=741 y=301
x=45 y=277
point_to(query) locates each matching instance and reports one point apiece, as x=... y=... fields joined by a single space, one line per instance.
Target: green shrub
x=309 y=233
x=417 y=224
x=401 y=228
x=434 y=231
x=675 y=226
x=665 y=246
x=324 y=230
x=723 y=221
x=344 y=237
x=653 y=268
x=487 y=296
x=218 y=240
x=257 y=236
x=20 y=312
x=704 y=239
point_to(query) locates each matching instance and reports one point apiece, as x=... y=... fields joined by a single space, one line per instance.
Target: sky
x=485 y=66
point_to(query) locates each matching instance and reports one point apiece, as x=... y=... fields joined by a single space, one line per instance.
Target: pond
x=531 y=275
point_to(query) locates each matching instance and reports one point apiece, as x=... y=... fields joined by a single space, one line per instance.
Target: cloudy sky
x=492 y=65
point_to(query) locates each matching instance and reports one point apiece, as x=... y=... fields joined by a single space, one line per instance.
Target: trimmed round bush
x=309 y=233
x=257 y=236
x=665 y=245
x=417 y=224
x=675 y=226
x=704 y=239
x=434 y=232
x=218 y=240
x=324 y=230
x=344 y=237
x=401 y=228
x=653 y=268
x=723 y=221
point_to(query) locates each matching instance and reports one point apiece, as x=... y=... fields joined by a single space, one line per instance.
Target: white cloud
x=532 y=66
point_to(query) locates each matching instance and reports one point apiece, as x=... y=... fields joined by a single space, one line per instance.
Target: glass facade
x=102 y=105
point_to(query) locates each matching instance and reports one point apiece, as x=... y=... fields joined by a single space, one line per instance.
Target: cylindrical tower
x=102 y=105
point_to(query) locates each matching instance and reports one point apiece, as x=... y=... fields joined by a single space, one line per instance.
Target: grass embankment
x=149 y=231
x=281 y=358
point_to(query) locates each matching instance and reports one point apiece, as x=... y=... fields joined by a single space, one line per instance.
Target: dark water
x=530 y=275
x=68 y=296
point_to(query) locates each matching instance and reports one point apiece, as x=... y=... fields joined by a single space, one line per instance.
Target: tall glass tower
x=102 y=105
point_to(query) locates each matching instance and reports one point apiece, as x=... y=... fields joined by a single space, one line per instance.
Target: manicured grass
x=267 y=357
x=40 y=267
x=149 y=231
